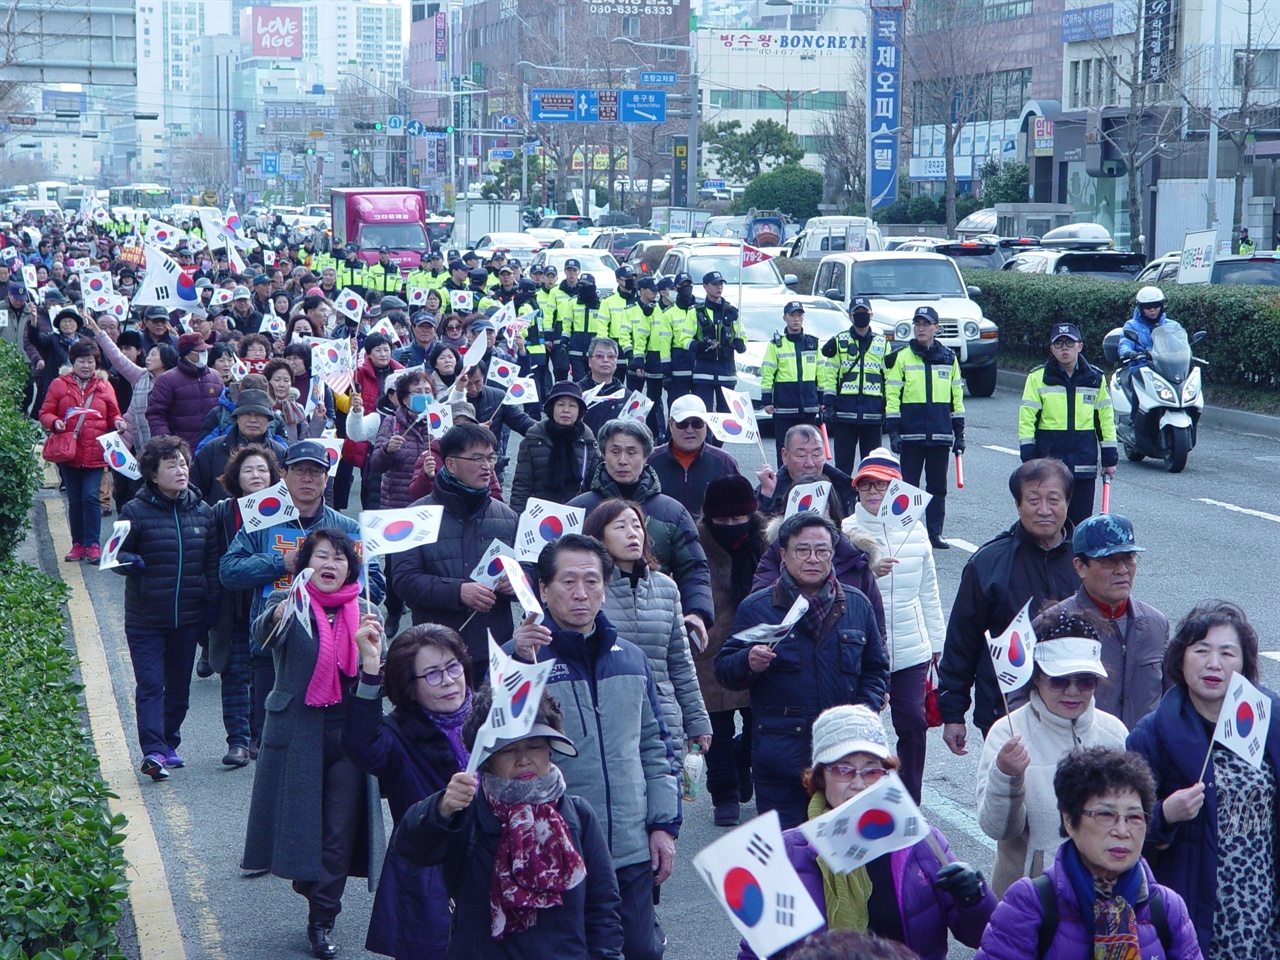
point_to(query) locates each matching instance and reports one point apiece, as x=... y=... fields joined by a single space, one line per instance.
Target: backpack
x=1048 y=928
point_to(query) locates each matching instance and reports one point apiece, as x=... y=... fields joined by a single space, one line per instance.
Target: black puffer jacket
x=176 y=541
x=534 y=467
x=430 y=577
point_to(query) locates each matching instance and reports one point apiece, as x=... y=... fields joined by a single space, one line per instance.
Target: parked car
x=620 y=242
x=643 y=251
x=567 y=222
x=761 y=316
x=519 y=245
x=599 y=263
x=1079 y=248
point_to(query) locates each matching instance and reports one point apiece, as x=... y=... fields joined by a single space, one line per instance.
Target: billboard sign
x=276 y=32
x=1042 y=138
x=1157 y=39
x=885 y=107
x=1087 y=23
x=442 y=47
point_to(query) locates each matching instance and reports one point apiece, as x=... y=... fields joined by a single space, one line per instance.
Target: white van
x=824 y=235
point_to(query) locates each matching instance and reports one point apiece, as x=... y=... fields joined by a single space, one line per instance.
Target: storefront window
x=1104 y=201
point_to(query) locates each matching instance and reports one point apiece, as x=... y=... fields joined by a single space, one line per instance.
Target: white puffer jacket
x=912 y=609
x=1021 y=813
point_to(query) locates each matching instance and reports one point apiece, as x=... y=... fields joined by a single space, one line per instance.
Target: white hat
x=841 y=731
x=1067 y=656
x=688 y=406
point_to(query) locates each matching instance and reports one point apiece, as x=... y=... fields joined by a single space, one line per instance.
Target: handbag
x=61 y=447
x=932 y=712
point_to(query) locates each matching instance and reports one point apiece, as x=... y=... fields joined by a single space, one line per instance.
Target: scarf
x=337 y=642
x=564 y=466
x=1113 y=923
x=741 y=541
x=820 y=604
x=470 y=496
x=846 y=893
x=450 y=725
x=536 y=861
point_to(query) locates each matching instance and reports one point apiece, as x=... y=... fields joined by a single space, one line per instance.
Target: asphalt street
x=1210 y=532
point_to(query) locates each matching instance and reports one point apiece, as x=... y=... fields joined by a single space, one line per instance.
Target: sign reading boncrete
x=276 y=31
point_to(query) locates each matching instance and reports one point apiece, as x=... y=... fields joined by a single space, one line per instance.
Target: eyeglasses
x=436 y=677
x=1084 y=682
x=491 y=459
x=847 y=771
x=804 y=551
x=1109 y=818
x=880 y=485
x=693 y=422
x=1116 y=560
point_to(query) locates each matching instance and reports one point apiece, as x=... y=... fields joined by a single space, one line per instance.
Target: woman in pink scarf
x=311 y=819
x=526 y=864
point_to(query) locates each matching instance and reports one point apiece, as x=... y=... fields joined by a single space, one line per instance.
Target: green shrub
x=19 y=471
x=1243 y=323
x=805 y=271
x=62 y=869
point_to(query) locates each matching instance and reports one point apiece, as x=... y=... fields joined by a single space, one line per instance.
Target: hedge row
x=62 y=867
x=1243 y=323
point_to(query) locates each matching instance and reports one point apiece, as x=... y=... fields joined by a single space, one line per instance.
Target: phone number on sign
x=650 y=9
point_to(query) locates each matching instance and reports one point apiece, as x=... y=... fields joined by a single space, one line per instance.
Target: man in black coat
x=493 y=413
x=252 y=416
x=688 y=464
x=804 y=460
x=1031 y=561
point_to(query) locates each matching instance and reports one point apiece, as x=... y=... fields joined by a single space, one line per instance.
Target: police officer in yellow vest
x=384 y=276
x=650 y=352
x=351 y=272
x=586 y=321
x=924 y=414
x=675 y=294
x=789 y=376
x=429 y=275
x=853 y=387
x=1065 y=412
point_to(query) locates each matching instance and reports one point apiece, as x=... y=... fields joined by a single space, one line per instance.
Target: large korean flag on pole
x=749 y=873
x=165 y=284
x=1244 y=720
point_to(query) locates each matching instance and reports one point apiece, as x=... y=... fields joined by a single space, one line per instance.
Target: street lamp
x=695 y=105
x=787 y=99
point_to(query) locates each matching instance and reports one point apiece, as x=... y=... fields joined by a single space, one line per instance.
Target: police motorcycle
x=1167 y=390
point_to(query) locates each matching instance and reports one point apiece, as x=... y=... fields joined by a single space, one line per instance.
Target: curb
x=1221 y=418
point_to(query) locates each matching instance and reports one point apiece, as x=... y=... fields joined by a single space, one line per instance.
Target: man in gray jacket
x=625 y=765
x=1134 y=634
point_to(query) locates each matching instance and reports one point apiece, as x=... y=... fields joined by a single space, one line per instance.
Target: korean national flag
x=517 y=691
x=392 y=531
x=266 y=508
x=350 y=304
x=460 y=300
x=879 y=820
x=473 y=354
x=385 y=327
x=1244 y=720
x=489 y=570
x=296 y=606
x=111 y=549
x=118 y=456
x=728 y=428
x=417 y=296
x=740 y=406
x=903 y=505
x=1013 y=652
x=520 y=584
x=522 y=390
x=775 y=633
x=502 y=373
x=748 y=871
x=541 y=523
x=808 y=498
x=637 y=407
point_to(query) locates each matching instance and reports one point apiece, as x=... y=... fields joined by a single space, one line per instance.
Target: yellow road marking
x=159 y=937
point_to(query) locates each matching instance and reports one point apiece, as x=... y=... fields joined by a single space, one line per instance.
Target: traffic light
x=376 y=125
x=311 y=151
x=427 y=129
x=355 y=151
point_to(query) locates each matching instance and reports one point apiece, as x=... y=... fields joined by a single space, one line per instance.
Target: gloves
x=962 y=881
x=958 y=447
x=133 y=562
x=829 y=414
x=895 y=444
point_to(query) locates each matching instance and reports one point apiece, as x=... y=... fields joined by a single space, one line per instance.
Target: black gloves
x=958 y=446
x=962 y=881
x=895 y=444
x=829 y=414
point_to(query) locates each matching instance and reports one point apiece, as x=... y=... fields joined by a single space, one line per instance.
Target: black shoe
x=203 y=670
x=939 y=543
x=236 y=757
x=322 y=945
x=253 y=750
x=727 y=814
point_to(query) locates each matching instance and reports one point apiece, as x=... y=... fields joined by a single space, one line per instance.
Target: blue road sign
x=586 y=105
x=660 y=79
x=713 y=184
x=270 y=164
x=642 y=106
x=434 y=135
x=501 y=153
x=531 y=148
x=552 y=106
x=395 y=122
x=507 y=120
x=413 y=128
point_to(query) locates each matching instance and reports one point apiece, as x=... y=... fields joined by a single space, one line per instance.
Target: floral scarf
x=337 y=651
x=536 y=861
x=1114 y=921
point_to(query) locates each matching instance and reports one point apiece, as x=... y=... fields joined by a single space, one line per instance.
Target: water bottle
x=695 y=765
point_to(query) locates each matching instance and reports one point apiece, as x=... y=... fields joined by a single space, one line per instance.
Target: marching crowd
x=1112 y=840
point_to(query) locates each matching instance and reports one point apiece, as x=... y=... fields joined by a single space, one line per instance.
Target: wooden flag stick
x=468 y=620
x=1205 y=766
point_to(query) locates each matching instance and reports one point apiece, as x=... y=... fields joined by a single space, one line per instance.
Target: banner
x=544 y=522
x=879 y=820
x=393 y=531
x=266 y=508
x=884 y=108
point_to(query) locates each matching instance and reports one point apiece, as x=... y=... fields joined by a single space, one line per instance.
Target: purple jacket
x=179 y=400
x=1015 y=927
x=927 y=913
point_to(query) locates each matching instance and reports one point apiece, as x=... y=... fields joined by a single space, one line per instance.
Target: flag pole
x=468 y=620
x=1205 y=766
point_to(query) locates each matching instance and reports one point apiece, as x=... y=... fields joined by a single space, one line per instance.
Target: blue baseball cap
x=666 y=283
x=572 y=263
x=860 y=303
x=712 y=276
x=793 y=306
x=1103 y=535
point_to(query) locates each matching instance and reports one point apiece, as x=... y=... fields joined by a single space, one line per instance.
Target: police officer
x=479 y=290
x=789 y=375
x=383 y=277
x=422 y=277
x=650 y=352
x=566 y=303
x=1247 y=246
x=587 y=320
x=350 y=272
x=924 y=414
x=505 y=292
x=853 y=387
x=617 y=308
x=457 y=280
x=678 y=309
x=718 y=336
x=1065 y=410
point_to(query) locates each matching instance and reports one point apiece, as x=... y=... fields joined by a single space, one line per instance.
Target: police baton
x=826 y=440
x=959 y=472
x=1106 y=493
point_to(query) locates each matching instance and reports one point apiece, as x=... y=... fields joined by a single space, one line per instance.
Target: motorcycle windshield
x=1170 y=351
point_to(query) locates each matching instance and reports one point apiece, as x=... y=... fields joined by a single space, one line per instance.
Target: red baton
x=959 y=472
x=826 y=441
x=1106 y=493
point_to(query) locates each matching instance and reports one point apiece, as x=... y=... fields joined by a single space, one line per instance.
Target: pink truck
x=376 y=217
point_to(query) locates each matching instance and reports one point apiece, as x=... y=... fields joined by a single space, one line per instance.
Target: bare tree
x=842 y=144
x=953 y=61
x=202 y=159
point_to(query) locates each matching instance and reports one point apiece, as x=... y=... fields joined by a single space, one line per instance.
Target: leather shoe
x=322 y=945
x=727 y=814
x=939 y=543
x=236 y=757
x=253 y=750
x=203 y=670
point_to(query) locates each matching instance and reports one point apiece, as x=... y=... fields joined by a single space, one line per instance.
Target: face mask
x=202 y=358
x=418 y=403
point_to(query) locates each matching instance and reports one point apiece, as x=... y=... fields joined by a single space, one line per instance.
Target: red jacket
x=64 y=393
x=366 y=382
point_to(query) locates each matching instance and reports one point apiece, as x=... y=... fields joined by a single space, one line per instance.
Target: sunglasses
x=1084 y=682
x=694 y=422
x=847 y=771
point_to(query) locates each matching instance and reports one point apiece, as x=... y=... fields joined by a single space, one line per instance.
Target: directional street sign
x=531 y=148
x=501 y=153
x=586 y=106
x=434 y=134
x=659 y=79
x=713 y=184
x=507 y=120
x=642 y=106
x=270 y=164
x=551 y=105
x=395 y=125
x=413 y=128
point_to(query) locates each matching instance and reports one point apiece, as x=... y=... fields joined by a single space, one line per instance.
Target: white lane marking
x=999 y=449
x=956 y=815
x=1235 y=509
x=962 y=544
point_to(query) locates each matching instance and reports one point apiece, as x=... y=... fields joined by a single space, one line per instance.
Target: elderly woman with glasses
x=1099 y=898
x=913 y=896
x=1212 y=835
x=1016 y=799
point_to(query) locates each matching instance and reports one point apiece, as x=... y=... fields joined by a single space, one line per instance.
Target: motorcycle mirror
x=1198 y=337
x=1130 y=335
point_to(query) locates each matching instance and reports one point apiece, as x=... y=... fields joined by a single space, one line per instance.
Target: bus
x=140 y=198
